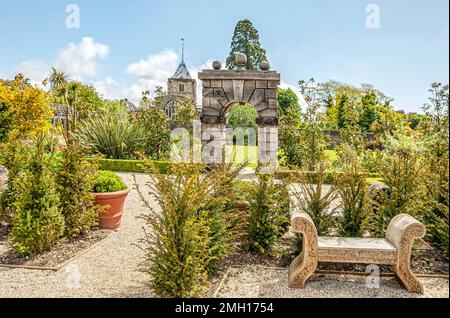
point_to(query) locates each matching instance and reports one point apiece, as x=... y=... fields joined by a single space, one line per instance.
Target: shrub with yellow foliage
x=26 y=105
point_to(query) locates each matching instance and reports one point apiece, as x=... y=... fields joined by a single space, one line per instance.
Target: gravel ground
x=110 y=270
x=258 y=281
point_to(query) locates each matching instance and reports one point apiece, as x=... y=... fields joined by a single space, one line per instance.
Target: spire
x=182 y=71
x=182 y=49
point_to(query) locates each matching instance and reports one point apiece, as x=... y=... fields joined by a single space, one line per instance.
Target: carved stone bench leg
x=402 y=231
x=305 y=264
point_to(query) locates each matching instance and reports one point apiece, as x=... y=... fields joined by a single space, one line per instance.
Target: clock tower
x=181 y=85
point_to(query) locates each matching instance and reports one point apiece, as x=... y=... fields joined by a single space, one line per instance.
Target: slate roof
x=182 y=72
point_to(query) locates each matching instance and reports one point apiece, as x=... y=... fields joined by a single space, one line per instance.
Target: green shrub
x=436 y=210
x=38 y=222
x=155 y=124
x=309 y=198
x=111 y=135
x=292 y=149
x=242 y=115
x=267 y=215
x=226 y=222
x=15 y=156
x=74 y=180
x=107 y=181
x=352 y=189
x=178 y=244
x=132 y=165
x=6 y=121
x=402 y=170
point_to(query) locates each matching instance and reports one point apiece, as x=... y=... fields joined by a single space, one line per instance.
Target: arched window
x=170 y=109
x=181 y=88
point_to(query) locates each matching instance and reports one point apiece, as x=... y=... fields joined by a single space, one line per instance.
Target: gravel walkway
x=110 y=270
x=258 y=281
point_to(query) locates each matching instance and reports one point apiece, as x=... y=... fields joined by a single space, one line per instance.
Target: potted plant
x=109 y=191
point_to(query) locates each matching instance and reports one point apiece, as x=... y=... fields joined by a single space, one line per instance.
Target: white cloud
x=296 y=90
x=81 y=60
x=156 y=67
x=36 y=70
x=150 y=73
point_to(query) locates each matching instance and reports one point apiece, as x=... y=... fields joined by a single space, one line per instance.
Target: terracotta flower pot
x=111 y=218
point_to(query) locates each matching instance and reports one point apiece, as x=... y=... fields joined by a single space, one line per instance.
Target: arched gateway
x=224 y=88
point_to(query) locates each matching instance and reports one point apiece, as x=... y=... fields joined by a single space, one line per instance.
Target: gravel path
x=258 y=281
x=110 y=270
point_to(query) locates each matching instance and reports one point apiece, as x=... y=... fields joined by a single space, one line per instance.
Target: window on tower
x=181 y=88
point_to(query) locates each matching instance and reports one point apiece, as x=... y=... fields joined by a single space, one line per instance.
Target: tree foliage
x=246 y=40
x=24 y=108
x=287 y=99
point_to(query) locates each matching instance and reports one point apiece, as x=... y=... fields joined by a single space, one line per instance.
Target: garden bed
x=53 y=259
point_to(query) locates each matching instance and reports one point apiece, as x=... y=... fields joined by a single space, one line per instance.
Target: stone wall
x=190 y=88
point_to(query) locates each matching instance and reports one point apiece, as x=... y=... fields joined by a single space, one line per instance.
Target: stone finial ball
x=240 y=59
x=217 y=65
x=264 y=66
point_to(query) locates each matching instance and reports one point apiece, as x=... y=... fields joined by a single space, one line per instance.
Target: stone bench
x=394 y=250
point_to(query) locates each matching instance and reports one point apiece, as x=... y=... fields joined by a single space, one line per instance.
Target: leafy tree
x=246 y=40
x=85 y=98
x=116 y=107
x=368 y=111
x=290 y=134
x=415 y=120
x=28 y=107
x=312 y=139
x=287 y=99
x=342 y=105
x=58 y=83
x=438 y=106
x=155 y=125
x=437 y=119
x=242 y=115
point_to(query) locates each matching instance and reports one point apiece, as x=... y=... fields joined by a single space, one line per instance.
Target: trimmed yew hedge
x=131 y=165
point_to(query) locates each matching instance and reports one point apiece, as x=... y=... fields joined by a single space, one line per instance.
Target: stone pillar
x=213 y=142
x=268 y=147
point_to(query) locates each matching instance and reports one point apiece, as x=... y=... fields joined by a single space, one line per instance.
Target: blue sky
x=123 y=47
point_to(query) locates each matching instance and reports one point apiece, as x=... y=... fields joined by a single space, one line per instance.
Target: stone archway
x=222 y=88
